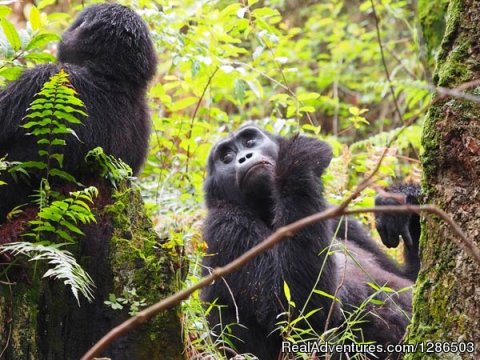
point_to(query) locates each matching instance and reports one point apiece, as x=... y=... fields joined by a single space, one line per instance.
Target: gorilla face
x=242 y=167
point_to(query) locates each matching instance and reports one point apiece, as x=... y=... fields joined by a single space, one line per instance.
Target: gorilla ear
x=325 y=156
x=319 y=153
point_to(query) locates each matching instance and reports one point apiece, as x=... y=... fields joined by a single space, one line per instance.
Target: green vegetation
x=289 y=66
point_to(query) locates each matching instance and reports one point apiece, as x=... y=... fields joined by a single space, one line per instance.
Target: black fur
x=393 y=226
x=110 y=58
x=257 y=183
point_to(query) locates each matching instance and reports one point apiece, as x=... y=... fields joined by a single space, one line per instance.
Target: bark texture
x=447 y=295
x=41 y=319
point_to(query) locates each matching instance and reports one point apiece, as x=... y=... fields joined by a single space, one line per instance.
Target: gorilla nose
x=245 y=157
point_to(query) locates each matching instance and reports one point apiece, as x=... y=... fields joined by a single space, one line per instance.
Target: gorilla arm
x=392 y=226
x=298 y=193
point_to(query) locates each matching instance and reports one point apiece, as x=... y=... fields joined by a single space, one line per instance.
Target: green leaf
x=35 y=20
x=183 y=103
x=34 y=164
x=11 y=34
x=230 y=10
x=67 y=116
x=308 y=96
x=4 y=10
x=309 y=109
x=265 y=12
x=286 y=291
x=62 y=174
x=377 y=302
x=40 y=57
x=239 y=91
x=44 y=3
x=11 y=73
x=64 y=235
x=71 y=227
x=41 y=40
x=327 y=295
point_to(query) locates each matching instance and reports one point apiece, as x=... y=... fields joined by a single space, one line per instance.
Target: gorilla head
x=109 y=39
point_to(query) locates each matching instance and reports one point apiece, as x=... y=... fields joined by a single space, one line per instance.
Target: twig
x=387 y=72
x=400 y=62
x=457 y=92
x=282 y=233
x=205 y=88
x=469 y=246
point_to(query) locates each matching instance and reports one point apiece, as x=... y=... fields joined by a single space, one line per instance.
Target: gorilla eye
x=250 y=143
x=227 y=157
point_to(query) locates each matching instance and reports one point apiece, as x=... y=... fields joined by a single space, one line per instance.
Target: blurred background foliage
x=287 y=65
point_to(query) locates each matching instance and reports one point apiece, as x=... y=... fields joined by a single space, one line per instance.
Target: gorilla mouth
x=253 y=168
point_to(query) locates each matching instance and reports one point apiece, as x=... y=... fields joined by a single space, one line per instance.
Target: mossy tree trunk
x=41 y=320
x=447 y=296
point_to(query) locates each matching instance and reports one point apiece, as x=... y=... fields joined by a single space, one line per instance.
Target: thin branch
x=261 y=73
x=469 y=246
x=194 y=115
x=281 y=234
x=403 y=66
x=457 y=92
x=387 y=72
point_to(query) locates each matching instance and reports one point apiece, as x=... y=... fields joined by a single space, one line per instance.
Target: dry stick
x=282 y=233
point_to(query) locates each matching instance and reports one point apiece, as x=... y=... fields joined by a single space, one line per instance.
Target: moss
x=121 y=252
x=139 y=262
x=452 y=25
x=431 y=16
x=454 y=70
x=18 y=321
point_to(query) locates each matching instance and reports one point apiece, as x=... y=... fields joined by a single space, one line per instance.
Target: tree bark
x=41 y=319
x=447 y=295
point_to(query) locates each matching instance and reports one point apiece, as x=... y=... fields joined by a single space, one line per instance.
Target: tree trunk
x=447 y=295
x=41 y=319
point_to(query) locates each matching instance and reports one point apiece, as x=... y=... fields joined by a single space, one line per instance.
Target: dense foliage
x=288 y=65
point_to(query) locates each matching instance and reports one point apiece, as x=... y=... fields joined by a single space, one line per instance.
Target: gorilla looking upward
x=258 y=182
x=110 y=59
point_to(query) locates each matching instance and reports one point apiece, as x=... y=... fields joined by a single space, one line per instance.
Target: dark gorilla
x=258 y=182
x=110 y=58
x=393 y=226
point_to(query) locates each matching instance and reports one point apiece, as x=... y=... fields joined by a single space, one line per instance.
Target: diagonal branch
x=281 y=234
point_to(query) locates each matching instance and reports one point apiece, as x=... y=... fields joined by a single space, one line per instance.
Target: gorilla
x=258 y=182
x=392 y=226
x=109 y=57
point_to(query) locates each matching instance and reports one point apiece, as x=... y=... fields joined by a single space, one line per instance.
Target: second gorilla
x=258 y=182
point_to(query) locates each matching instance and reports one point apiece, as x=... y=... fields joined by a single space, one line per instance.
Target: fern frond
x=63 y=265
x=61 y=217
x=50 y=116
x=410 y=136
